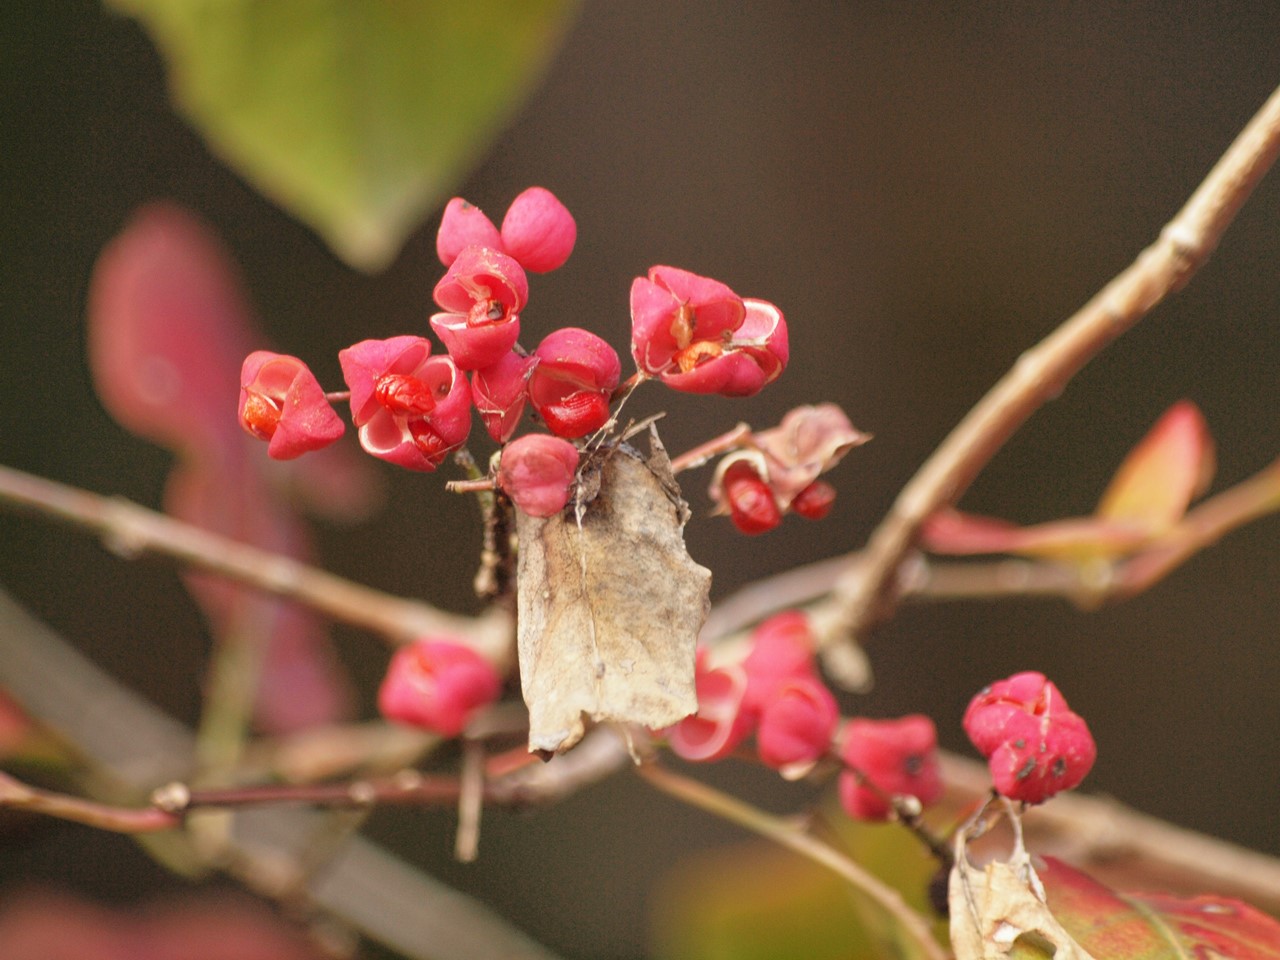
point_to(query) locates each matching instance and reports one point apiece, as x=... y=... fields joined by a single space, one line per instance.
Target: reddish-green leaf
x=1149 y=926
x=1170 y=467
x=1071 y=540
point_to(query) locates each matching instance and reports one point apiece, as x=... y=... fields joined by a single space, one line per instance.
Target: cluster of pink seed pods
x=774 y=691
x=413 y=408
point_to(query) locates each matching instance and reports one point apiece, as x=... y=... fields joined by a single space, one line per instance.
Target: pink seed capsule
x=537 y=472
x=573 y=381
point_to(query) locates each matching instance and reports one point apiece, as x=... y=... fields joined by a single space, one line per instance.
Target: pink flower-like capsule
x=571 y=385
x=537 y=473
x=482 y=296
x=747 y=496
x=782 y=650
x=721 y=722
x=500 y=392
x=1034 y=744
x=538 y=230
x=701 y=337
x=282 y=402
x=757 y=487
x=437 y=684
x=412 y=409
x=815 y=501
x=464 y=225
x=807 y=442
x=796 y=726
x=897 y=758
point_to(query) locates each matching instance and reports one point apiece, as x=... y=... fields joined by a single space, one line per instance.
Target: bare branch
x=868 y=589
x=16 y=795
x=129 y=530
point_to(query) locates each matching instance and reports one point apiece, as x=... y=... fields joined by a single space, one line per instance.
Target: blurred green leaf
x=895 y=856
x=757 y=901
x=356 y=116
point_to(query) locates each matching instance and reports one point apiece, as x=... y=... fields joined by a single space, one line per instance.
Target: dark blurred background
x=925 y=189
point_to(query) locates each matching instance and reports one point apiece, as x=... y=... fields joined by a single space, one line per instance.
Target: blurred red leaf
x=54 y=926
x=1149 y=926
x=168 y=329
x=169 y=326
x=956 y=532
x=1149 y=494
x=15 y=728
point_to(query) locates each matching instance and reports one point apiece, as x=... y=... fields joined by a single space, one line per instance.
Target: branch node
x=362 y=793
x=172 y=797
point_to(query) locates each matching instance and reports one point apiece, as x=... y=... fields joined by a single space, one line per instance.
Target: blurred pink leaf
x=169 y=326
x=56 y=926
x=955 y=532
x=168 y=329
x=1148 y=495
x=301 y=683
x=15 y=728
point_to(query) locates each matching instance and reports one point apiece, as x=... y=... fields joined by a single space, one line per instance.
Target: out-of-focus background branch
x=133 y=746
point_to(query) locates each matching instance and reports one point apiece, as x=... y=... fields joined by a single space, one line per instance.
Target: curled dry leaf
x=996 y=908
x=808 y=442
x=610 y=603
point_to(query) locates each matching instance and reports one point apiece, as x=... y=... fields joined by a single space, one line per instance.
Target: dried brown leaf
x=609 y=603
x=1000 y=907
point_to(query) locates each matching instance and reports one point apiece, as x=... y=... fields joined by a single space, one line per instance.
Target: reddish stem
x=626 y=386
x=738 y=437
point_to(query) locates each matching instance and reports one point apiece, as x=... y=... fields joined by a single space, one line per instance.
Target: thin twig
x=867 y=589
x=466 y=841
x=170 y=803
x=707 y=798
x=16 y=795
x=130 y=530
x=729 y=440
x=477 y=485
x=409 y=787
